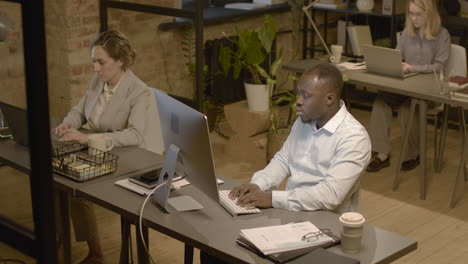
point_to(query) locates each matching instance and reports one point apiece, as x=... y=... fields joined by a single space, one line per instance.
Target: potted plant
x=282 y=117
x=254 y=49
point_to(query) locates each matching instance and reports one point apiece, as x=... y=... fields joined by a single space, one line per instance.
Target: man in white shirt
x=323 y=156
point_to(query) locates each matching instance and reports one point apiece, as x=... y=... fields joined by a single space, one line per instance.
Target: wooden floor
x=441 y=232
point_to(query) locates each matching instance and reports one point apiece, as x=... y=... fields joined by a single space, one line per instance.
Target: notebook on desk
x=385 y=61
x=283 y=243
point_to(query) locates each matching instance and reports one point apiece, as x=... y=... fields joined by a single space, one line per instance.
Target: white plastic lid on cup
x=352 y=219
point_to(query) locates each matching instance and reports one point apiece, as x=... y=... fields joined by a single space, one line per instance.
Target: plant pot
x=257 y=97
x=276 y=139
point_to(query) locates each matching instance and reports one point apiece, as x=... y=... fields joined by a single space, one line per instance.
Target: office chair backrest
x=457 y=60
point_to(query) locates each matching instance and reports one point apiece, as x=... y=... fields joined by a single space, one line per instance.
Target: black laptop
x=17 y=120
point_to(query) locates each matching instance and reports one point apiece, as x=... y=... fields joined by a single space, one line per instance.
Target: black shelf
x=354 y=11
x=349 y=13
x=215 y=15
x=195 y=15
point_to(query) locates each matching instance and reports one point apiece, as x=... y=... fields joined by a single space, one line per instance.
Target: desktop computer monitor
x=185 y=130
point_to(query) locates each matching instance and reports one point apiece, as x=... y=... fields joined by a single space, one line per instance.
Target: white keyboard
x=232 y=207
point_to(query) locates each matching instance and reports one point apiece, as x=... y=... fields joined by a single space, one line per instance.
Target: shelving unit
x=196 y=16
x=348 y=12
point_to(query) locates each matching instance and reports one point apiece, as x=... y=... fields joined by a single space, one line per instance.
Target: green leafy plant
x=254 y=48
x=286 y=98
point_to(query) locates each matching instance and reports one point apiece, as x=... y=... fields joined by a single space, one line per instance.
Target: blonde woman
x=425 y=47
x=117 y=105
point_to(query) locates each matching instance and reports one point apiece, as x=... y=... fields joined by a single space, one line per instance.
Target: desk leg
x=422 y=146
x=125 y=233
x=396 y=179
x=143 y=257
x=461 y=164
x=65 y=225
x=188 y=257
x=440 y=155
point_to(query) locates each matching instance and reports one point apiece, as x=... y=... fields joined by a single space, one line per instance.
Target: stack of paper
x=460 y=80
x=125 y=183
x=352 y=66
x=459 y=85
x=330 y=4
x=461 y=93
x=285 y=242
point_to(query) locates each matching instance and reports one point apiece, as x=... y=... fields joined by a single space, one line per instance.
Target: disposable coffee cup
x=351 y=234
x=336 y=51
x=97 y=143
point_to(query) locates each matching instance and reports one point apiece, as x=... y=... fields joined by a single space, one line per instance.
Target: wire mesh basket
x=82 y=163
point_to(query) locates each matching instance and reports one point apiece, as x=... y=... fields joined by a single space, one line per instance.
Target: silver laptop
x=17 y=120
x=384 y=61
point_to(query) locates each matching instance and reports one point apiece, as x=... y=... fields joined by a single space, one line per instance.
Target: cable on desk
x=141 y=221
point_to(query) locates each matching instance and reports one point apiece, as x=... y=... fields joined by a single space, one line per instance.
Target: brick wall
x=72 y=24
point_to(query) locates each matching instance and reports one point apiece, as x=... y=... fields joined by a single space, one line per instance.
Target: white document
x=125 y=183
x=352 y=66
x=282 y=238
x=180 y=182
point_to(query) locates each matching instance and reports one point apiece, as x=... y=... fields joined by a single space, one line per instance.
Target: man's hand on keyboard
x=251 y=195
x=243 y=189
x=256 y=198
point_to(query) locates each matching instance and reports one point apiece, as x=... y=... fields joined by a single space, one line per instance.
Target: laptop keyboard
x=232 y=207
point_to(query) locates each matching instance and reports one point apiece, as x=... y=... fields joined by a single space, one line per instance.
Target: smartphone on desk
x=356 y=61
x=5 y=132
x=148 y=180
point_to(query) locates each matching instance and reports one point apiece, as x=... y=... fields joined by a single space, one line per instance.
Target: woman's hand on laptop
x=72 y=134
x=59 y=129
x=407 y=68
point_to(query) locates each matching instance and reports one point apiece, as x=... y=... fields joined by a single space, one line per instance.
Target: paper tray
x=82 y=163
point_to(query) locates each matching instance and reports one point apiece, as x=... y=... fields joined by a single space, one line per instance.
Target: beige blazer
x=131 y=118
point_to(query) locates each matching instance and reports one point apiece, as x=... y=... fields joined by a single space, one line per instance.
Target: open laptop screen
x=384 y=61
x=17 y=120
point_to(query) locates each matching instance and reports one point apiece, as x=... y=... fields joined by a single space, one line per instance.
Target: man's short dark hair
x=329 y=74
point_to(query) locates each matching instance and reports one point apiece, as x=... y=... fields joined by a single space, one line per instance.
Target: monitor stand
x=161 y=195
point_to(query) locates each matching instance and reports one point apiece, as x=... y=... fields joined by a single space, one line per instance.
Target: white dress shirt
x=323 y=164
x=103 y=100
